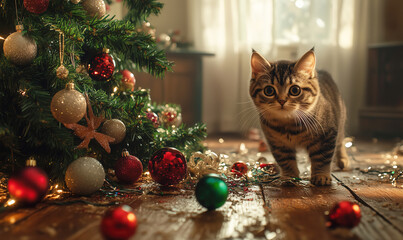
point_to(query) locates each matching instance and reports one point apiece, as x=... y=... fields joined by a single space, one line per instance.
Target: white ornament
x=85 y=176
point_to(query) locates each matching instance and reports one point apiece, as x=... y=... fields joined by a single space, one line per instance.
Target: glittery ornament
x=153 y=118
x=344 y=214
x=211 y=191
x=36 y=6
x=68 y=105
x=62 y=72
x=19 y=49
x=101 y=67
x=128 y=81
x=178 y=121
x=30 y=185
x=116 y=129
x=167 y=166
x=85 y=176
x=128 y=168
x=168 y=117
x=239 y=168
x=119 y=223
x=201 y=164
x=94 y=7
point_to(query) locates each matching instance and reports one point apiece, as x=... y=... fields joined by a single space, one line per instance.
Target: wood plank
x=176 y=215
x=385 y=199
x=298 y=212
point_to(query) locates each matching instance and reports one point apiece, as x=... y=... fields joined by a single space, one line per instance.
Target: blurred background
x=360 y=42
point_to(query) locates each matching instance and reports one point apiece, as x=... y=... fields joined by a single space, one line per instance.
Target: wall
x=173 y=17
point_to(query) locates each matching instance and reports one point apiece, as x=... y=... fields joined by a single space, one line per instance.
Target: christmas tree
x=61 y=42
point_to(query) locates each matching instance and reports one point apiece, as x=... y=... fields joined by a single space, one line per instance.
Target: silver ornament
x=94 y=7
x=85 y=176
x=19 y=49
x=116 y=129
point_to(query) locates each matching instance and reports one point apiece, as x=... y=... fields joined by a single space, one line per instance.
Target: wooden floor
x=253 y=210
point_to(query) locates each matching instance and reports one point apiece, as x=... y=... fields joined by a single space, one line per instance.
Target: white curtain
x=278 y=29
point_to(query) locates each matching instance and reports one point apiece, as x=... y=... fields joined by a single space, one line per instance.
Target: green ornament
x=211 y=191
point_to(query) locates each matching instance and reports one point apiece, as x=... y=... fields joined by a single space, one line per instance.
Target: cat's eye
x=269 y=91
x=295 y=90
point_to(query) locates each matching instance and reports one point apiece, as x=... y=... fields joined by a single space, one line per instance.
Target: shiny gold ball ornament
x=116 y=129
x=62 y=72
x=18 y=48
x=68 y=105
x=94 y=7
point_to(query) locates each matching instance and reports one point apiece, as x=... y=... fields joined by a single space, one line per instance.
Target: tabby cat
x=299 y=107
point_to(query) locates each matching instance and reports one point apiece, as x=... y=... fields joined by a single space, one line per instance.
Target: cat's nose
x=282 y=102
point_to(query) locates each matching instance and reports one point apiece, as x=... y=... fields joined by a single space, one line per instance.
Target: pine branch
x=140 y=10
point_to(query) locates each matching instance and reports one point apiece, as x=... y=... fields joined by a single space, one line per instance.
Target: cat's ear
x=259 y=63
x=306 y=64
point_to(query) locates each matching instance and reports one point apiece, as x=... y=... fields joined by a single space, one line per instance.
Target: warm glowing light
x=10 y=202
x=115 y=89
x=348 y=144
x=1 y=38
x=221 y=140
x=131 y=217
x=59 y=191
x=356 y=208
x=57 y=185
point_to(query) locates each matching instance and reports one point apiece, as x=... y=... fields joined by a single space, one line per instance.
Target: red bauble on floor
x=29 y=186
x=344 y=214
x=239 y=168
x=119 y=223
x=167 y=166
x=128 y=168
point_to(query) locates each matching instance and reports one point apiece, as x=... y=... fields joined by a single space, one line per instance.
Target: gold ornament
x=94 y=7
x=62 y=72
x=116 y=129
x=68 y=105
x=88 y=133
x=75 y=1
x=19 y=49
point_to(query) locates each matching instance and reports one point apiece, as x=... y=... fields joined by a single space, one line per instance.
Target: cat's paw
x=343 y=163
x=321 y=180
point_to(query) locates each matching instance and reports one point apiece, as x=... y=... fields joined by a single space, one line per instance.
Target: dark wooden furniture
x=183 y=86
x=383 y=113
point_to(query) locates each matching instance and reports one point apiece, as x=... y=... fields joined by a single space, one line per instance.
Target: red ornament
x=344 y=214
x=101 y=67
x=154 y=118
x=167 y=166
x=239 y=168
x=29 y=186
x=36 y=6
x=170 y=116
x=128 y=168
x=119 y=223
x=128 y=81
